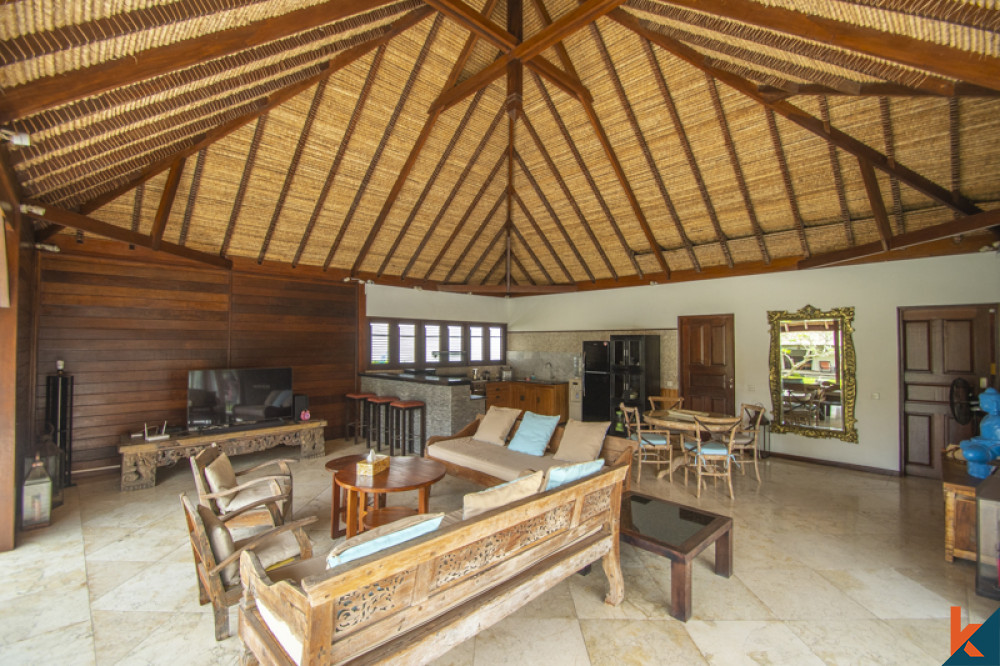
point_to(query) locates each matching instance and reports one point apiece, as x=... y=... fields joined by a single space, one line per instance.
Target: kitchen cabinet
x=547 y=399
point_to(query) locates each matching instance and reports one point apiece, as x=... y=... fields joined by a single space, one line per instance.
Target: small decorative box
x=373 y=465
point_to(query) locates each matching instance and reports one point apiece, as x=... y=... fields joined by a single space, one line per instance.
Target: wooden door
x=708 y=368
x=936 y=346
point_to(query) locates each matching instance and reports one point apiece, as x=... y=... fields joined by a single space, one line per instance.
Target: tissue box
x=380 y=464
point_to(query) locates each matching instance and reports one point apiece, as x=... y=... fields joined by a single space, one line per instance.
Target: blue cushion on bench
x=534 y=433
x=560 y=476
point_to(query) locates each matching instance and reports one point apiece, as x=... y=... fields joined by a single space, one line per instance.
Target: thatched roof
x=509 y=144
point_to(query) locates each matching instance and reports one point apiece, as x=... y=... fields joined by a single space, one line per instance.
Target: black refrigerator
x=635 y=372
x=596 y=380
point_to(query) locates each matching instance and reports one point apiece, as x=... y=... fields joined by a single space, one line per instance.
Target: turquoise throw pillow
x=533 y=434
x=384 y=541
x=560 y=476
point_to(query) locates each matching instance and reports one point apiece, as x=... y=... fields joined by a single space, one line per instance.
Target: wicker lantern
x=36 y=499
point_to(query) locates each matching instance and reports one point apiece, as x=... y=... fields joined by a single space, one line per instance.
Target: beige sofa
x=416 y=600
x=490 y=465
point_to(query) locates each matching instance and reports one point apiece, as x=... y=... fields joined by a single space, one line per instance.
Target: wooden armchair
x=228 y=493
x=713 y=457
x=217 y=556
x=654 y=444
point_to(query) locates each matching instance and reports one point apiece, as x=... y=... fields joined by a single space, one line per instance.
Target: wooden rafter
x=954 y=146
x=878 y=90
x=199 y=167
x=73 y=220
x=263 y=105
x=786 y=177
x=959 y=13
x=241 y=191
x=877 y=204
x=531 y=253
x=432 y=227
x=540 y=146
x=474 y=238
x=804 y=120
x=137 y=207
x=505 y=290
x=166 y=203
x=345 y=141
x=400 y=103
x=552 y=215
x=734 y=161
x=475 y=267
x=567 y=24
x=939 y=59
x=293 y=167
x=468 y=212
x=411 y=159
x=838 y=175
x=496 y=264
x=668 y=102
x=456 y=135
x=520 y=266
x=966 y=225
x=851 y=61
x=55 y=90
x=890 y=152
x=538 y=232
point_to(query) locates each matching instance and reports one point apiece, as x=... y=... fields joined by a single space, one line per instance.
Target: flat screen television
x=238 y=396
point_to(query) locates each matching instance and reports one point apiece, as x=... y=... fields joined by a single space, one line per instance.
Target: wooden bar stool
x=357 y=407
x=378 y=419
x=402 y=428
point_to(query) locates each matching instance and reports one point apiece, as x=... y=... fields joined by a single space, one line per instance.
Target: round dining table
x=681 y=423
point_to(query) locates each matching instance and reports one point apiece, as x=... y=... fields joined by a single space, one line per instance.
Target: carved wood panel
x=371 y=602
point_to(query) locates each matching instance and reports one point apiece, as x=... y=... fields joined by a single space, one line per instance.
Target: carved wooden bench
x=140 y=460
x=415 y=601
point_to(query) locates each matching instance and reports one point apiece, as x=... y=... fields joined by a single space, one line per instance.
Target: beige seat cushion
x=582 y=442
x=474 y=504
x=222 y=544
x=258 y=491
x=277 y=549
x=490 y=459
x=495 y=426
x=221 y=476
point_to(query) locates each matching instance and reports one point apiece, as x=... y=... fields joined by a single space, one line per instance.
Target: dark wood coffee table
x=404 y=473
x=679 y=533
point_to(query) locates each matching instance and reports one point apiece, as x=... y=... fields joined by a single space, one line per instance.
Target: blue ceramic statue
x=979 y=451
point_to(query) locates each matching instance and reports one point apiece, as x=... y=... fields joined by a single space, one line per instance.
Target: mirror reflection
x=812 y=372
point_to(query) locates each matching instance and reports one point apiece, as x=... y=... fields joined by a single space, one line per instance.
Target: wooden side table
x=959 y=510
x=404 y=473
x=334 y=466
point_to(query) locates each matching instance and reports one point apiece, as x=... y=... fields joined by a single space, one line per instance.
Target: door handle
x=732 y=382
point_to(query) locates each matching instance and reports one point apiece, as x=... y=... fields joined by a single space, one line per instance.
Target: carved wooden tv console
x=140 y=460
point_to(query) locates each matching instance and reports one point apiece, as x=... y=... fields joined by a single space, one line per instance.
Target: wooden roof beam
x=786 y=177
x=552 y=215
x=877 y=204
x=965 y=225
x=540 y=146
x=538 y=232
x=166 y=203
x=73 y=220
x=433 y=226
x=504 y=290
x=475 y=267
x=531 y=253
x=475 y=237
x=241 y=191
x=342 y=147
x=199 y=167
x=574 y=20
x=939 y=59
x=958 y=13
x=838 y=175
x=263 y=105
x=802 y=119
x=960 y=89
x=60 y=89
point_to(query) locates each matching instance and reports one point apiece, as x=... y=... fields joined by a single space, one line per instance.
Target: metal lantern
x=988 y=537
x=36 y=500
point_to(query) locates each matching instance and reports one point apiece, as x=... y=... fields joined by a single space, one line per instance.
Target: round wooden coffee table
x=334 y=466
x=404 y=473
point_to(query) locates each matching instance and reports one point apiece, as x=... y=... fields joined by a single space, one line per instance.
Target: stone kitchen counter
x=450 y=403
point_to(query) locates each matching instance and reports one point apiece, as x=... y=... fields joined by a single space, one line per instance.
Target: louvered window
x=432 y=343
x=496 y=343
x=475 y=344
x=398 y=343
x=407 y=343
x=380 y=343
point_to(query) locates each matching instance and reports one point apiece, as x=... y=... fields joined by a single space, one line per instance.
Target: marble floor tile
x=750 y=642
x=830 y=566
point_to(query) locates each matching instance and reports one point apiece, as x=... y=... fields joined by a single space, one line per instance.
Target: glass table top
x=667 y=522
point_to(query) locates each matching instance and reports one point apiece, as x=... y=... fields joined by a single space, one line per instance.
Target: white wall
x=383 y=301
x=875 y=291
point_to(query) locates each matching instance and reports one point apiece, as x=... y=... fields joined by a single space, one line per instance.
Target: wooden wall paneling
x=129 y=333
x=309 y=326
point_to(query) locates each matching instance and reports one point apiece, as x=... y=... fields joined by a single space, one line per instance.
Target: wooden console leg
x=613 y=570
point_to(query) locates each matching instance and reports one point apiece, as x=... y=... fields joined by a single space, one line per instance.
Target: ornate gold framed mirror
x=812 y=368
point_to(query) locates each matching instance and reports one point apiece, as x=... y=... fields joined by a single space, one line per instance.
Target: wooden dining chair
x=707 y=456
x=228 y=493
x=746 y=442
x=654 y=444
x=664 y=403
